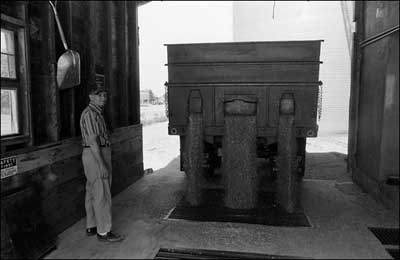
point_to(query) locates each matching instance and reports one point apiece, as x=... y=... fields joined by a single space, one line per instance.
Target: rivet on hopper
x=69 y=64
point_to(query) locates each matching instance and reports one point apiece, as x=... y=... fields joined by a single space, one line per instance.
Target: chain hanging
x=319 y=105
x=273 y=11
x=166 y=99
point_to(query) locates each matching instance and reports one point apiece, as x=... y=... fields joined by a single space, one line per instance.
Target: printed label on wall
x=100 y=80
x=8 y=167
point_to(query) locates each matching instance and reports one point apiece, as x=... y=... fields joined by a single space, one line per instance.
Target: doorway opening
x=218 y=21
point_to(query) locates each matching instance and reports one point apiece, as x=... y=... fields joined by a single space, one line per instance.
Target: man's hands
x=95 y=147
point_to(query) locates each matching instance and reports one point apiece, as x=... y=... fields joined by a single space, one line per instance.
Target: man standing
x=96 y=158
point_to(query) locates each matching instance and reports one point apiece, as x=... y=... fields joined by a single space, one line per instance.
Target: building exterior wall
x=305 y=20
x=145 y=97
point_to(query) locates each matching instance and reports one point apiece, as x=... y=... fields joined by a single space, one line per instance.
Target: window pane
x=8 y=67
x=11 y=67
x=9 y=118
x=3 y=41
x=7 y=41
x=5 y=73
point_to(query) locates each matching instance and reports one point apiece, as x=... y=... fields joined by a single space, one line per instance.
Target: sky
x=169 y=22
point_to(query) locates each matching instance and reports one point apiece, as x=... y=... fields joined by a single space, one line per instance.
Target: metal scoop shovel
x=69 y=64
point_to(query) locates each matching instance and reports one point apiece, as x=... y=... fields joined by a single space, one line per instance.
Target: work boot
x=91 y=231
x=110 y=237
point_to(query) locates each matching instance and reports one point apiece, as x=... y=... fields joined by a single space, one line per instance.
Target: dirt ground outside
x=151 y=114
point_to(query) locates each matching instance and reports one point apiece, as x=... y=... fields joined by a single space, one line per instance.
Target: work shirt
x=92 y=123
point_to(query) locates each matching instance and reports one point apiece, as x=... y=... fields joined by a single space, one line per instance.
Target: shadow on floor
x=319 y=166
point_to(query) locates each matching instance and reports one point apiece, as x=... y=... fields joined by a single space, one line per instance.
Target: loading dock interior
x=46 y=147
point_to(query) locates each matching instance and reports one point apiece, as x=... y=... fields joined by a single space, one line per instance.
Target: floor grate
x=213 y=210
x=387 y=236
x=393 y=252
x=181 y=253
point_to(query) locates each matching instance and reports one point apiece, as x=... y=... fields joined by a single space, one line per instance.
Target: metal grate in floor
x=393 y=252
x=183 y=253
x=387 y=236
x=213 y=209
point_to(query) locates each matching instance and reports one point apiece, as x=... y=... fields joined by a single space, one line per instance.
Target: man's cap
x=95 y=89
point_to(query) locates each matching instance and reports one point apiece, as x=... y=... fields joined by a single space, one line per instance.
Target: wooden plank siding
x=58 y=172
x=123 y=90
x=109 y=66
x=45 y=96
x=133 y=40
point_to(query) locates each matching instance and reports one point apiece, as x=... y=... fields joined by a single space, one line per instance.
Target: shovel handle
x=59 y=26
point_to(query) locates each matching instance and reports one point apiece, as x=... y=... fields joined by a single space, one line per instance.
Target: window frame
x=21 y=83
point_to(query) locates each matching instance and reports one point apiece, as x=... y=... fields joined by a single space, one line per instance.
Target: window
x=9 y=118
x=15 y=119
x=7 y=54
x=9 y=113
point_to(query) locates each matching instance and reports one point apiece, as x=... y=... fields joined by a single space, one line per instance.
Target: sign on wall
x=8 y=167
x=100 y=80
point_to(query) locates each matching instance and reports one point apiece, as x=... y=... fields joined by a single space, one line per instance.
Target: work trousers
x=98 y=191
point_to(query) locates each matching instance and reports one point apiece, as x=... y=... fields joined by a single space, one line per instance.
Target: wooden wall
x=374 y=105
x=57 y=173
x=105 y=33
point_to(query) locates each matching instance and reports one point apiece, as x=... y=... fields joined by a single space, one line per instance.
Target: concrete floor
x=338 y=211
